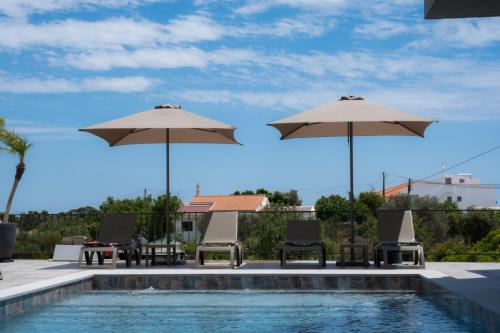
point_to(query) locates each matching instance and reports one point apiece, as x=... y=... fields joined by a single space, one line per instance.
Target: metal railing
x=446 y=234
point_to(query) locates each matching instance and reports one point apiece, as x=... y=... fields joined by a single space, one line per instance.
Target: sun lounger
x=118 y=233
x=221 y=235
x=303 y=236
x=396 y=234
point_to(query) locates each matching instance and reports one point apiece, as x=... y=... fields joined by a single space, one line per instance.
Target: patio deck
x=477 y=282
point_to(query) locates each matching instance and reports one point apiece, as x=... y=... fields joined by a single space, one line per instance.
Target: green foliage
x=82 y=211
x=486 y=249
x=332 y=207
x=276 y=198
x=371 y=200
x=151 y=212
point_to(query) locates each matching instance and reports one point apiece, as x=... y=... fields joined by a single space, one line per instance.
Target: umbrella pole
x=351 y=181
x=167 y=196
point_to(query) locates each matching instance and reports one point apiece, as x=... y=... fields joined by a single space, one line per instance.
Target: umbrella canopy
x=351 y=116
x=166 y=124
x=367 y=120
x=149 y=127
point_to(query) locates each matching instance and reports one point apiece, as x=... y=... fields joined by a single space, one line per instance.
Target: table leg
x=365 y=256
x=175 y=255
x=169 y=258
x=342 y=256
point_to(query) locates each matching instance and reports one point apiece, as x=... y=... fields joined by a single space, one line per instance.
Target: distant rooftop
x=205 y=203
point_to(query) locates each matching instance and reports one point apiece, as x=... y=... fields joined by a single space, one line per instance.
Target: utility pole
x=408 y=196
x=383 y=184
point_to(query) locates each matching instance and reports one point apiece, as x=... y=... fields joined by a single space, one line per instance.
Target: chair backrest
x=303 y=232
x=395 y=226
x=118 y=228
x=222 y=228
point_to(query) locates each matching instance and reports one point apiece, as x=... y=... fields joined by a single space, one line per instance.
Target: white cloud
x=175 y=57
x=126 y=84
x=465 y=33
x=22 y=8
x=259 y=6
x=300 y=25
x=382 y=29
x=297 y=99
x=120 y=32
x=113 y=33
x=444 y=105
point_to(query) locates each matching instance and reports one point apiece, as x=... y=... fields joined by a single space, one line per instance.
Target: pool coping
x=33 y=287
x=18 y=299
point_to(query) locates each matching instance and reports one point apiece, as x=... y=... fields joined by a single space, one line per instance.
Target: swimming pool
x=240 y=311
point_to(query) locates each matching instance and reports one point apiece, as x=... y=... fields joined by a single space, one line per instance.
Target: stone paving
x=477 y=282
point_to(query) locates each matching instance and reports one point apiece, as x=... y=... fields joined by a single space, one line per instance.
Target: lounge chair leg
x=231 y=253
x=386 y=257
x=283 y=257
x=138 y=255
x=200 y=257
x=324 y=256
x=114 y=255
x=88 y=259
x=100 y=257
x=365 y=257
x=237 y=253
x=422 y=257
x=240 y=255
x=128 y=257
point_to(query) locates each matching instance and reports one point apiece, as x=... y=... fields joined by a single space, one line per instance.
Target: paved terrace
x=478 y=282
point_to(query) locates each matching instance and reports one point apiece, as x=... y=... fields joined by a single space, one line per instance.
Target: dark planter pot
x=7 y=241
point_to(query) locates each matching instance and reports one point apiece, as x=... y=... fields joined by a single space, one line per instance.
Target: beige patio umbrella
x=351 y=116
x=164 y=124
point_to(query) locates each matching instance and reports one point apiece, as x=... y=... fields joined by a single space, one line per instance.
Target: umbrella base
x=350 y=253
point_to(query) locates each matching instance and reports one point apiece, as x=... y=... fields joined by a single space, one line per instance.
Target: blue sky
x=67 y=64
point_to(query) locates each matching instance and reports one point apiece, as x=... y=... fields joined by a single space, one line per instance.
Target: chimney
x=197 y=193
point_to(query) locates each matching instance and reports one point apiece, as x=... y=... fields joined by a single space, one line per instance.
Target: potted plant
x=13 y=143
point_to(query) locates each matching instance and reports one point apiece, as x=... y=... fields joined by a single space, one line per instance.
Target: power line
x=449 y=168
x=463 y=162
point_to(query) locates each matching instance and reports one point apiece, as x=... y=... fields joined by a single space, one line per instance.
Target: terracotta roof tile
x=231 y=202
x=394 y=190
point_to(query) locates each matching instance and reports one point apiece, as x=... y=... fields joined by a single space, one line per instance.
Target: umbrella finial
x=351 y=98
x=168 y=106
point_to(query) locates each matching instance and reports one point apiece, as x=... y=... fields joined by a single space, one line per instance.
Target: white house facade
x=462 y=189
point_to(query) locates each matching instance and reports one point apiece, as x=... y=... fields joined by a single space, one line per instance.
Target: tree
x=276 y=198
x=332 y=206
x=371 y=200
x=15 y=144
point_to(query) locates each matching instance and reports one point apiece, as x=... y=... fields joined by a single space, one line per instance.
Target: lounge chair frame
x=303 y=236
x=113 y=239
x=221 y=235
x=396 y=233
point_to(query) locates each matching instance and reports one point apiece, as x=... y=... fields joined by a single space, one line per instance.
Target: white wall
x=471 y=194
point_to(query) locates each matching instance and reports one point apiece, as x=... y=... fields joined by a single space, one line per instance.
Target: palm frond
x=13 y=142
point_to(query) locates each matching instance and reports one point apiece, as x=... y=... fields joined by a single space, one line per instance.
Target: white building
x=462 y=189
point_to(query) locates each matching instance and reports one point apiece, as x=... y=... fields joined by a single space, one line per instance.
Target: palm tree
x=15 y=144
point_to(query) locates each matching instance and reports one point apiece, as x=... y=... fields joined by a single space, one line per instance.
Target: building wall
x=459 y=191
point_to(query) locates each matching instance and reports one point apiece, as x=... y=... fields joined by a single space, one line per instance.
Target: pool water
x=239 y=311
